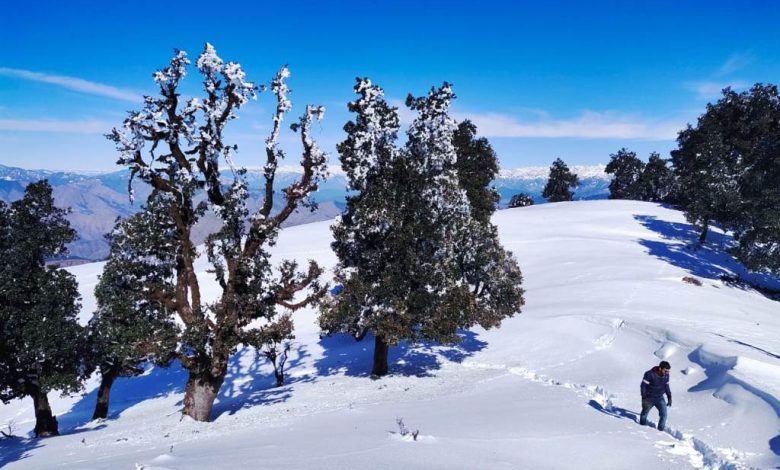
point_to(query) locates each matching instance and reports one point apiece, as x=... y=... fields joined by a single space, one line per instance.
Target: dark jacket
x=655 y=384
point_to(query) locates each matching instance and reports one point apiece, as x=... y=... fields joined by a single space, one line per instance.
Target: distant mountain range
x=98 y=198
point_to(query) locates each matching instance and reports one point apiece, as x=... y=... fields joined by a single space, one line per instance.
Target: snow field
x=554 y=387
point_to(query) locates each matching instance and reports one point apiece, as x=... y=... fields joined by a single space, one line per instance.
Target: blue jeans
x=647 y=404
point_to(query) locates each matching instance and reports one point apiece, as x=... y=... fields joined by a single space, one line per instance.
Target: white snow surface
x=555 y=387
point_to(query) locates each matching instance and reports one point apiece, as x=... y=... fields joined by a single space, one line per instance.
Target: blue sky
x=541 y=80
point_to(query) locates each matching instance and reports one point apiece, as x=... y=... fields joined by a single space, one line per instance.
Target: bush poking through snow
x=404 y=432
x=8 y=433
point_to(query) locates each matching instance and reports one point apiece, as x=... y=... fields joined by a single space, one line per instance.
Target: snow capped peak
x=535 y=172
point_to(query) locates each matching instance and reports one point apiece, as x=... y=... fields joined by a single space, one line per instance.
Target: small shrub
x=691 y=280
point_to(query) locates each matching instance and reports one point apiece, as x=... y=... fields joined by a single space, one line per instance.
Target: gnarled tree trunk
x=380 y=357
x=101 y=407
x=45 y=422
x=201 y=391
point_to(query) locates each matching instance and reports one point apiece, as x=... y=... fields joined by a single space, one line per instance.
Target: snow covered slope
x=554 y=387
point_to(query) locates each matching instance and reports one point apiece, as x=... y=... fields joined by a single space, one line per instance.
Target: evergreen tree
x=627 y=170
x=656 y=181
x=477 y=167
x=521 y=200
x=132 y=324
x=707 y=169
x=561 y=183
x=755 y=138
x=42 y=341
x=187 y=151
x=728 y=172
x=414 y=261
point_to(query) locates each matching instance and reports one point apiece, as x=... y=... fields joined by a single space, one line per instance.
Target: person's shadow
x=343 y=355
x=615 y=411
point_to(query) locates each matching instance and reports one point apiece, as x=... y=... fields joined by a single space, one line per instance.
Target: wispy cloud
x=73 y=83
x=709 y=89
x=588 y=125
x=735 y=62
x=539 y=123
x=92 y=126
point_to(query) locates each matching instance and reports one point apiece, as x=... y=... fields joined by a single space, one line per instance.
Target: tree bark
x=380 y=357
x=200 y=393
x=45 y=423
x=703 y=234
x=101 y=407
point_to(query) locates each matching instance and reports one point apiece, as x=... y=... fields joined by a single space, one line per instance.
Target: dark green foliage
x=627 y=170
x=561 y=183
x=42 y=341
x=132 y=324
x=633 y=179
x=415 y=260
x=728 y=172
x=756 y=139
x=657 y=180
x=477 y=166
x=521 y=200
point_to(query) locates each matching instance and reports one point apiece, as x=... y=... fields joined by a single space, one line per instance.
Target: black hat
x=664 y=365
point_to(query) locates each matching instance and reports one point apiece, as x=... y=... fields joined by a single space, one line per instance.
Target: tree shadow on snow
x=13 y=449
x=255 y=384
x=126 y=392
x=343 y=355
x=717 y=376
x=680 y=247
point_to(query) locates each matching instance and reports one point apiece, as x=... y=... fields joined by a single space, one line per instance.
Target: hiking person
x=655 y=384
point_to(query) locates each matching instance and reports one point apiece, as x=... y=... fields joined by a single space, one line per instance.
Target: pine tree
x=728 y=172
x=187 y=150
x=707 y=169
x=43 y=344
x=656 y=181
x=132 y=324
x=755 y=138
x=414 y=262
x=521 y=200
x=561 y=183
x=627 y=170
x=477 y=167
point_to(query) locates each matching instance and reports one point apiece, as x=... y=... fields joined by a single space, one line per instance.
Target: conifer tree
x=561 y=183
x=521 y=200
x=627 y=170
x=414 y=262
x=751 y=127
x=477 y=167
x=43 y=344
x=707 y=167
x=132 y=325
x=179 y=148
x=656 y=181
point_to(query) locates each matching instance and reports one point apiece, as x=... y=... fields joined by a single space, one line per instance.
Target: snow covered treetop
x=369 y=145
x=214 y=69
x=430 y=135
